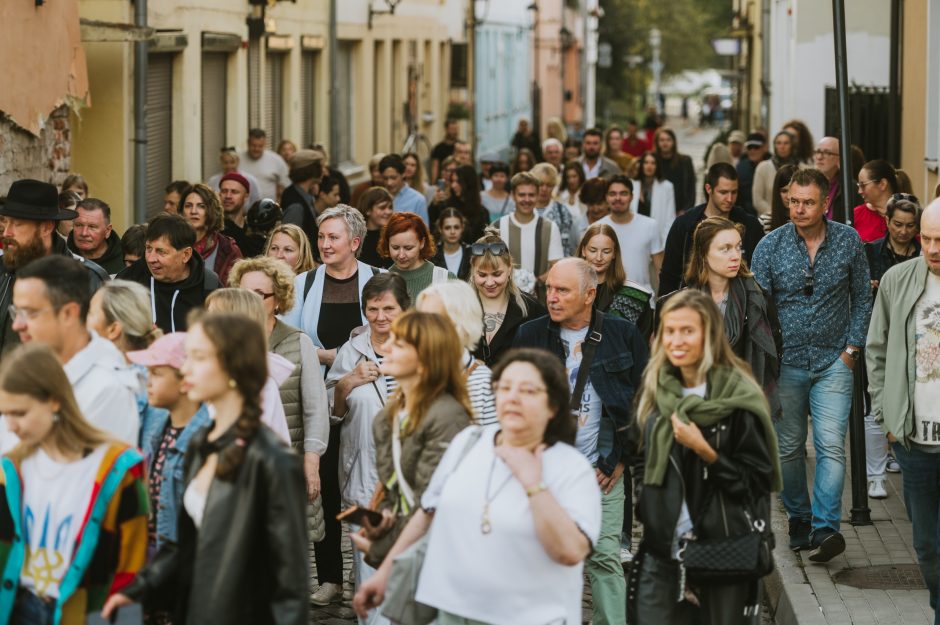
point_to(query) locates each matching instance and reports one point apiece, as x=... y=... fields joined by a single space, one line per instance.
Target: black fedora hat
x=32 y=199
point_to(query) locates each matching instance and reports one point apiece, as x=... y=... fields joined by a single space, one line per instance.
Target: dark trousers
x=626 y=536
x=28 y=609
x=329 y=553
x=920 y=472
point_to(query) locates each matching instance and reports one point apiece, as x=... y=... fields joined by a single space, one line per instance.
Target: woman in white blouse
x=512 y=514
x=653 y=195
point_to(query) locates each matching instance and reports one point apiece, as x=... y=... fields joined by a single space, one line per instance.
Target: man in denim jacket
x=604 y=410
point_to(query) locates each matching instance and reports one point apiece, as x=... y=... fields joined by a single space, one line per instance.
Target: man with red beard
x=31 y=211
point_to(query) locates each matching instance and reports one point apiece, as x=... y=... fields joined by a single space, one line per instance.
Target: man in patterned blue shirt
x=817 y=274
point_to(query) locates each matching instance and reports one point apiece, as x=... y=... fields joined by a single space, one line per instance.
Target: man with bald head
x=602 y=401
x=826 y=160
x=903 y=359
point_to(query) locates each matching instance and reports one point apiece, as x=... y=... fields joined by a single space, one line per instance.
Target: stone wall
x=24 y=155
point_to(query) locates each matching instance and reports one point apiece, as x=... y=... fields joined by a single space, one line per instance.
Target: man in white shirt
x=639 y=236
x=265 y=165
x=50 y=303
x=533 y=241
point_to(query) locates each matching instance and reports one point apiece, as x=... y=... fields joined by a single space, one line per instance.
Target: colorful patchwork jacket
x=111 y=545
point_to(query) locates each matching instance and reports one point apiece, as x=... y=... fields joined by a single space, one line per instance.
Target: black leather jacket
x=719 y=495
x=248 y=563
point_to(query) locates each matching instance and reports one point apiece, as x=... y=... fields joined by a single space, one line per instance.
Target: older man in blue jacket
x=604 y=409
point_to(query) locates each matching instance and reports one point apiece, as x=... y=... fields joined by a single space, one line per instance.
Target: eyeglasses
x=809 y=280
x=861 y=185
x=228 y=148
x=497 y=248
x=25 y=313
x=825 y=153
x=263 y=294
x=524 y=390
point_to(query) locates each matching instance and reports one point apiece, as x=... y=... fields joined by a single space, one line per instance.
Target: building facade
x=212 y=74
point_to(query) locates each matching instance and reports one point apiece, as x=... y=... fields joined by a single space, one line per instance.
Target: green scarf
x=728 y=391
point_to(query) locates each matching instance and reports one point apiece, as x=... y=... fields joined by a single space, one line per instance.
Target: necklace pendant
x=485 y=526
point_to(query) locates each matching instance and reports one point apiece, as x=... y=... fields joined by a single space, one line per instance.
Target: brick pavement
x=817 y=594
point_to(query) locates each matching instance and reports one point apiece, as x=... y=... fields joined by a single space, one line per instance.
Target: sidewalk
x=875 y=582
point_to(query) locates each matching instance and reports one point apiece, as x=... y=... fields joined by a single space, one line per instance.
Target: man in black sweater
x=721 y=187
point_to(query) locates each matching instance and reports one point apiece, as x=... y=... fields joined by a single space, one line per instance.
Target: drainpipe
x=140 y=116
x=334 y=83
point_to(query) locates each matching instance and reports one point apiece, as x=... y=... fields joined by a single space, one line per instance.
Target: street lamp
x=656 y=66
x=536 y=88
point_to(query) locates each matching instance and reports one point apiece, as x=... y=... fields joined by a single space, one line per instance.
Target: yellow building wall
x=914 y=99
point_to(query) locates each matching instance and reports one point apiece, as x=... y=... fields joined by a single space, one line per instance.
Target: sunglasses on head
x=496 y=249
x=809 y=280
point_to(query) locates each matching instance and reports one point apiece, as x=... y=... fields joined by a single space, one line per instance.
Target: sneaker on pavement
x=828 y=546
x=799 y=534
x=876 y=488
x=893 y=466
x=326 y=594
x=626 y=556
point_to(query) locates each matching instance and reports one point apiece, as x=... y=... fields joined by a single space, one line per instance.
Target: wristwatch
x=852 y=352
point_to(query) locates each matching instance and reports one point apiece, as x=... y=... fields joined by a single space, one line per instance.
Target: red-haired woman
x=406 y=240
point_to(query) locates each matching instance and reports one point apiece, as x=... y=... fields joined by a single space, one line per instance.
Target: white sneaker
x=326 y=594
x=876 y=488
x=626 y=556
x=893 y=466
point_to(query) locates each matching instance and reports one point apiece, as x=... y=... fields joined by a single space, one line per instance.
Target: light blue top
x=410 y=201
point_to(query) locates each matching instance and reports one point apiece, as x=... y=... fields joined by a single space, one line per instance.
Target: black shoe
x=828 y=546
x=799 y=534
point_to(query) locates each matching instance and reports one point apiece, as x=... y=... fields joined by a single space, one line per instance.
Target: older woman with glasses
x=505 y=307
x=510 y=515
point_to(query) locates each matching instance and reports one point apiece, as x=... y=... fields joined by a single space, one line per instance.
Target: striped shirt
x=391 y=384
x=480 y=390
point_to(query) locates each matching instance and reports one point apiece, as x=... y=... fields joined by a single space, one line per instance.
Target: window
x=274 y=97
x=214 y=84
x=343 y=118
x=309 y=64
x=159 y=112
x=458 y=65
x=254 y=83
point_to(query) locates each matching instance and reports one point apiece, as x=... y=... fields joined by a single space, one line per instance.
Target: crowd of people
x=484 y=378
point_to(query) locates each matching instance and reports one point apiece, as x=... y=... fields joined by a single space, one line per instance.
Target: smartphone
x=441 y=184
x=356 y=515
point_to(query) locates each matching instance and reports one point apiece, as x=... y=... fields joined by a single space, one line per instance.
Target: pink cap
x=165 y=351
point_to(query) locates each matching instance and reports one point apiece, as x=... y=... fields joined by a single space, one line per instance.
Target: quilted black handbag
x=731 y=559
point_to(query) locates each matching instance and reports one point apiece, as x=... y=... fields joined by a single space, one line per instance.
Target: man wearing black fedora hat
x=32 y=211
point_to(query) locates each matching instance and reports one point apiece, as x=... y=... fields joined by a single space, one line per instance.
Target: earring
x=55 y=417
x=232 y=384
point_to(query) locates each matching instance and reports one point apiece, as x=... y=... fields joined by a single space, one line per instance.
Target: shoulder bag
x=400 y=605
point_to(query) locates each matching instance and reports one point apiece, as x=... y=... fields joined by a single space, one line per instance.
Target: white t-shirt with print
x=453 y=260
x=589 y=407
x=527 y=241
x=56 y=497
x=467 y=573
x=639 y=240
x=927 y=363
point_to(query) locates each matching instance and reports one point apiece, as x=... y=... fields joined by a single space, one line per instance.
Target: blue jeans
x=28 y=609
x=920 y=472
x=827 y=397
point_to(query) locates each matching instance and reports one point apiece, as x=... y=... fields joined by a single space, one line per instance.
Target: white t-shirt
x=467 y=573
x=589 y=408
x=270 y=170
x=453 y=260
x=526 y=258
x=56 y=497
x=927 y=363
x=639 y=240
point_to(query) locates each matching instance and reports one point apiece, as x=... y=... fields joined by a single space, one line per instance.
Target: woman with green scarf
x=711 y=462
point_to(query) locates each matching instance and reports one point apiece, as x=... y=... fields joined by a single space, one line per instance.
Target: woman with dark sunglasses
x=505 y=306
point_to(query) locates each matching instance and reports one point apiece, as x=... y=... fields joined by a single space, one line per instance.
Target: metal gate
x=159 y=112
x=868 y=119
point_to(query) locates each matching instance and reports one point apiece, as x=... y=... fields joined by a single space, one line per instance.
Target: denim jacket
x=152 y=425
x=616 y=375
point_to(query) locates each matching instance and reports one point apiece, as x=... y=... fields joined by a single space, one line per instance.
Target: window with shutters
x=346 y=99
x=214 y=84
x=274 y=97
x=254 y=83
x=309 y=63
x=159 y=111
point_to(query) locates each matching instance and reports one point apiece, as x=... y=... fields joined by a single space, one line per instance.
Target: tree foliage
x=687 y=28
